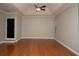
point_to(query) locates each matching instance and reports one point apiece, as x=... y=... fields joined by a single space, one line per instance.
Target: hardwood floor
x=34 y=47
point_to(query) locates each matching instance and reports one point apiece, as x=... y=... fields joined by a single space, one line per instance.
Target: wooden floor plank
x=34 y=47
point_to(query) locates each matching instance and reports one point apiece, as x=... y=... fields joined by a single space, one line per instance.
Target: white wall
x=18 y=26
x=78 y=20
x=38 y=27
x=2 y=26
x=67 y=27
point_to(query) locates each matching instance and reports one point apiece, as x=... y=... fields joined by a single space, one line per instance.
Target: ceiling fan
x=41 y=8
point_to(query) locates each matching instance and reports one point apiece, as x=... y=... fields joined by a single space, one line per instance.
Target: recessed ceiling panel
x=30 y=9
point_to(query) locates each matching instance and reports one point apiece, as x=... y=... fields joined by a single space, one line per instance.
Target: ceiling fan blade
x=36 y=6
x=43 y=6
x=43 y=9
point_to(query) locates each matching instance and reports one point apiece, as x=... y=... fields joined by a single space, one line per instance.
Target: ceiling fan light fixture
x=38 y=9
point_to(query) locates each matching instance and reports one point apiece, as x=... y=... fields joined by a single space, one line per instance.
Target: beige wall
x=78 y=20
x=38 y=26
x=67 y=27
x=2 y=26
x=18 y=26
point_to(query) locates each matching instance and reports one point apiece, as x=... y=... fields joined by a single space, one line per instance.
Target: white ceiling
x=8 y=7
x=29 y=9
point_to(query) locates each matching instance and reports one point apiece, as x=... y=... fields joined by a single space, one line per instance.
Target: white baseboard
x=1 y=42
x=11 y=41
x=37 y=38
x=68 y=47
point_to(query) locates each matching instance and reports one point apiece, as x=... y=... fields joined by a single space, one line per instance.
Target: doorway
x=10 y=27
